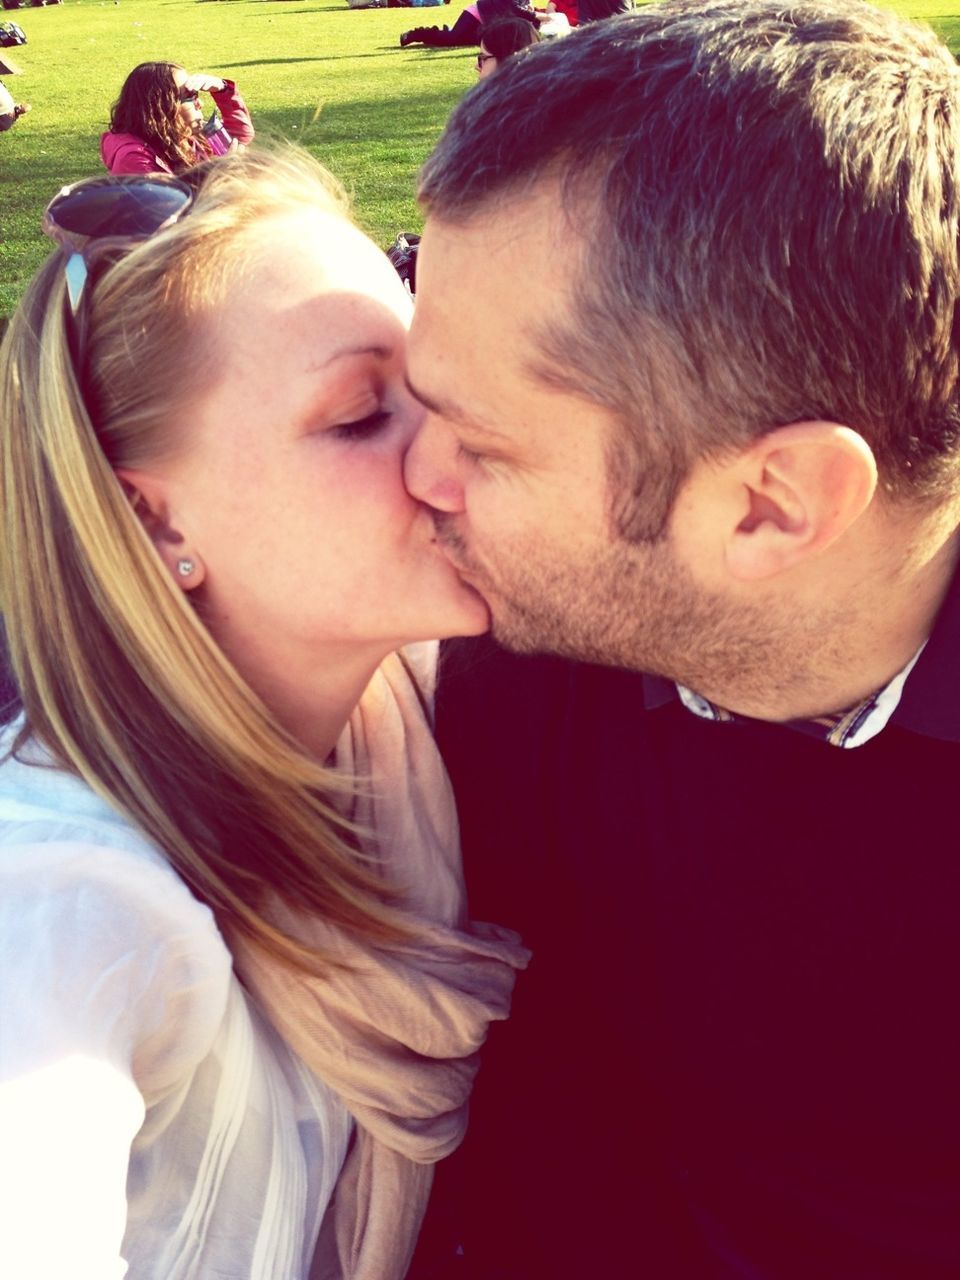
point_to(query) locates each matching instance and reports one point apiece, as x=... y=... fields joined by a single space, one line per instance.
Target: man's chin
x=515 y=635
x=548 y=636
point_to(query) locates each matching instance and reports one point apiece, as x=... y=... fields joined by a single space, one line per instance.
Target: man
x=687 y=334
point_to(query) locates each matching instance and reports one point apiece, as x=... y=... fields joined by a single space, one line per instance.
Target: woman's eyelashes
x=362 y=428
x=470 y=456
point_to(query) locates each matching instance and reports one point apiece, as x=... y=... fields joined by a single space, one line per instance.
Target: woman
x=236 y=972
x=156 y=125
x=502 y=40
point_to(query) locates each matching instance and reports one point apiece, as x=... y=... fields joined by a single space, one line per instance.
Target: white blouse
x=151 y=1124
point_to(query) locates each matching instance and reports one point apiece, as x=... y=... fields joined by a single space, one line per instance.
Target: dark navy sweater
x=736 y=1052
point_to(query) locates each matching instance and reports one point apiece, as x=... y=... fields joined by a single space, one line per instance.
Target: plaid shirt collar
x=924 y=697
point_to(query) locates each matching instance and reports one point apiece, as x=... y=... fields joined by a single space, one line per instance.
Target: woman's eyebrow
x=379 y=350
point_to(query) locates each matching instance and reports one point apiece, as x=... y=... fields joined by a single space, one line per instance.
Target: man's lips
x=447 y=551
x=451 y=543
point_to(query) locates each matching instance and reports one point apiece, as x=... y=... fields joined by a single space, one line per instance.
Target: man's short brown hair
x=767 y=198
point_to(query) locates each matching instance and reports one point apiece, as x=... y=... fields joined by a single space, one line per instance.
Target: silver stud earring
x=185 y=567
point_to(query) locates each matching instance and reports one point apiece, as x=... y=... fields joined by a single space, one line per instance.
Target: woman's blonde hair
x=119 y=678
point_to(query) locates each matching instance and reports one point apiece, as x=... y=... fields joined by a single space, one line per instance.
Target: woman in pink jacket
x=156 y=125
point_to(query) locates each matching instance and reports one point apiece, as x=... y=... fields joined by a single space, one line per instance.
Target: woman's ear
x=804 y=486
x=148 y=499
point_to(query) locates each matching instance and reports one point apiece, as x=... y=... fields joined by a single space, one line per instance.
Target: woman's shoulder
x=118 y=892
x=91 y=873
x=95 y=923
x=126 y=153
x=41 y=804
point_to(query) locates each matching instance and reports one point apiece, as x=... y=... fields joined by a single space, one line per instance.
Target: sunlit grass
x=331 y=77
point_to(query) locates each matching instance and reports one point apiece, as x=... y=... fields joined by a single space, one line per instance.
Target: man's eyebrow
x=452 y=412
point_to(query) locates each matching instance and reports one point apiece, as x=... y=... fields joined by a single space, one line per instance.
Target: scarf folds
x=396 y=1032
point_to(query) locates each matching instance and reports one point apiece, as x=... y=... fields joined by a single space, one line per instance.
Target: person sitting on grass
x=565 y=8
x=156 y=125
x=501 y=40
x=10 y=111
x=466 y=30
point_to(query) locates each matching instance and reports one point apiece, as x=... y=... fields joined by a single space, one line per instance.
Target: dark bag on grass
x=403 y=254
x=11 y=34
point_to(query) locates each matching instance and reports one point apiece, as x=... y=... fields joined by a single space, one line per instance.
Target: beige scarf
x=397 y=1034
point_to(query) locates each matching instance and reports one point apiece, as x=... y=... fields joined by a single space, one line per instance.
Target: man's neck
x=854 y=659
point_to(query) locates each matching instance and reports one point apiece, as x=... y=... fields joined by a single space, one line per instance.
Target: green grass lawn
x=333 y=78
x=318 y=72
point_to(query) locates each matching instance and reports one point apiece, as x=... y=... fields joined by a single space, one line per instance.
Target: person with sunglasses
x=242 y=999
x=156 y=124
x=501 y=40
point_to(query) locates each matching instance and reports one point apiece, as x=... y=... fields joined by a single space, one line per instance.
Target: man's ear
x=147 y=496
x=802 y=487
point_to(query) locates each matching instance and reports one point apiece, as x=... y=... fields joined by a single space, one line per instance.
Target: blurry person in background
x=468 y=26
x=552 y=17
x=156 y=124
x=594 y=10
x=501 y=40
x=10 y=111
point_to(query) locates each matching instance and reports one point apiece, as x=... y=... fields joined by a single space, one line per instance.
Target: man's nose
x=430 y=469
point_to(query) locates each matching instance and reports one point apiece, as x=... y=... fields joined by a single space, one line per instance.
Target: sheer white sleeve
x=113 y=984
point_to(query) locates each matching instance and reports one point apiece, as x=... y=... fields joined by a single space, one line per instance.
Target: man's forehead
x=496 y=279
x=501 y=228
x=488 y=288
x=504 y=226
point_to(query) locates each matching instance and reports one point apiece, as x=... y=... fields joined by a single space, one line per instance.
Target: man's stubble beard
x=635 y=606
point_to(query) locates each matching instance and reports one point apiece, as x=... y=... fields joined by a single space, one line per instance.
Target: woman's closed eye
x=470 y=456
x=362 y=428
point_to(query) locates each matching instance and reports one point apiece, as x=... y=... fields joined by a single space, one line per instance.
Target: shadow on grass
x=323 y=8
x=947 y=26
x=400 y=121
x=327 y=57
x=317 y=8
x=428 y=54
x=375 y=146
x=51 y=172
x=380 y=50
x=256 y=2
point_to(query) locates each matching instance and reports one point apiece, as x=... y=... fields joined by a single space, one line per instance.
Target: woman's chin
x=476 y=614
x=467 y=615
